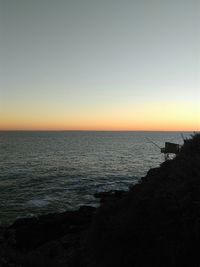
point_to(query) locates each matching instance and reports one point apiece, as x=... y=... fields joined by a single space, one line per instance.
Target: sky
x=100 y=65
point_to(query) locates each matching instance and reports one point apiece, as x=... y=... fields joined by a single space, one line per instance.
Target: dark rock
x=110 y=195
x=33 y=232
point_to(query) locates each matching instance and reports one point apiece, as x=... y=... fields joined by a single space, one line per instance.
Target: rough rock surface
x=49 y=240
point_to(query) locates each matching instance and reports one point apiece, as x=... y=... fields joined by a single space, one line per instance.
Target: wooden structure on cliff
x=170 y=148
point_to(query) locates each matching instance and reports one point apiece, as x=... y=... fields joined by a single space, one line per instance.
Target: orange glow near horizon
x=149 y=117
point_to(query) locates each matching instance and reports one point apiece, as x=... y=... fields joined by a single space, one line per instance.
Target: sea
x=47 y=172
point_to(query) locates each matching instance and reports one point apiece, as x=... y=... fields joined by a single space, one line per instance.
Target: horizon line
x=54 y=130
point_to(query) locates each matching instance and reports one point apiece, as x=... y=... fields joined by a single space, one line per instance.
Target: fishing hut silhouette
x=170 y=148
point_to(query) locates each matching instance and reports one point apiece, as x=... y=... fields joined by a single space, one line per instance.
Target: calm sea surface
x=42 y=172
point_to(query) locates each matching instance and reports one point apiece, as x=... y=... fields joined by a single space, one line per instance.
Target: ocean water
x=43 y=172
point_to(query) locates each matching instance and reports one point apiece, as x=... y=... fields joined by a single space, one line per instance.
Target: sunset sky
x=100 y=65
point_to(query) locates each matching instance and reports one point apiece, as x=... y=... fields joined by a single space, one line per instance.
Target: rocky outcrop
x=49 y=240
x=111 y=195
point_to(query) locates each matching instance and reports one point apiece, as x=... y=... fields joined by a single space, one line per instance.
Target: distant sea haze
x=43 y=172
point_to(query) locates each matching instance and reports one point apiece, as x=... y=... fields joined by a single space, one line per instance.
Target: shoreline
x=159 y=217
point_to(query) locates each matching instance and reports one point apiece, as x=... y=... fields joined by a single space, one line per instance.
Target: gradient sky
x=100 y=64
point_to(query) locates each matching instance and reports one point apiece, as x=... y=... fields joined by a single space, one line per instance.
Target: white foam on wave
x=37 y=203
